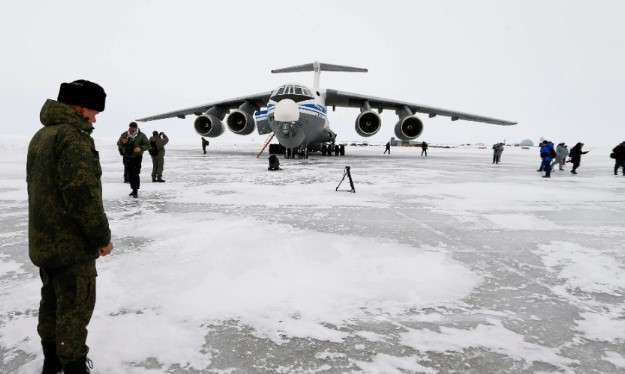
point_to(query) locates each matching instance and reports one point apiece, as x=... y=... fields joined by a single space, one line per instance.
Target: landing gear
x=301 y=152
x=325 y=149
x=333 y=149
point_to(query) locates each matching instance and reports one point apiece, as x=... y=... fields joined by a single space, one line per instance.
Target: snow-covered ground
x=445 y=264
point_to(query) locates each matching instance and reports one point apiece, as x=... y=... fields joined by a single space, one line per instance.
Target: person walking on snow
x=204 y=144
x=618 y=154
x=547 y=154
x=576 y=156
x=387 y=148
x=497 y=151
x=562 y=151
x=158 y=141
x=134 y=143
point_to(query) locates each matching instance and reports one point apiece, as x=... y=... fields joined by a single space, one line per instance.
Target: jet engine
x=208 y=125
x=409 y=126
x=368 y=122
x=241 y=121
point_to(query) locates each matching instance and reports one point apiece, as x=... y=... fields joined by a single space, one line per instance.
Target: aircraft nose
x=286 y=110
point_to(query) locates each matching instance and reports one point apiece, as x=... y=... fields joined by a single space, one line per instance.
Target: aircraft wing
x=347 y=99
x=259 y=100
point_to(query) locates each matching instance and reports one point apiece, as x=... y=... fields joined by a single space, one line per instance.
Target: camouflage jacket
x=66 y=219
x=158 y=145
x=128 y=149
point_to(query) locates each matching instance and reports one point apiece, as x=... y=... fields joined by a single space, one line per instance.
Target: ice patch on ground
x=287 y=192
x=615 y=359
x=520 y=222
x=387 y=364
x=9 y=266
x=608 y=326
x=282 y=282
x=273 y=275
x=492 y=337
x=517 y=195
x=585 y=269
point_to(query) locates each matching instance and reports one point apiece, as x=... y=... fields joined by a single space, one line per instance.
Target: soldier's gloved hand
x=106 y=249
x=137 y=149
x=124 y=140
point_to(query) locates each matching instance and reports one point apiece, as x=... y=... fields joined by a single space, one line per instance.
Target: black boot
x=51 y=363
x=153 y=179
x=80 y=366
x=160 y=180
x=134 y=194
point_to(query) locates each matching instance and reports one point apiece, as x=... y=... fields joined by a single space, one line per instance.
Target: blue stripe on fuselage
x=304 y=108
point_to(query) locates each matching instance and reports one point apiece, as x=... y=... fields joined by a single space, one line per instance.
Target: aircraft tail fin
x=317 y=67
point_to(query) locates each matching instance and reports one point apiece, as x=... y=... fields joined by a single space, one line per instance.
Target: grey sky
x=557 y=67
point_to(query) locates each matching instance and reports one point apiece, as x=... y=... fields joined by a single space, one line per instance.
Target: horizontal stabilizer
x=317 y=66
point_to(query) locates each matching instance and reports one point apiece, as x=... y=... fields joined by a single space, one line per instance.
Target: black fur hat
x=82 y=93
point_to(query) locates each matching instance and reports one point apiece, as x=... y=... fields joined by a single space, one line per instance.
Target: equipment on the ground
x=265 y=145
x=274 y=163
x=347 y=174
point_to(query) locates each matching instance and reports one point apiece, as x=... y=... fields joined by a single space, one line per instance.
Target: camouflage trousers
x=67 y=302
x=158 y=162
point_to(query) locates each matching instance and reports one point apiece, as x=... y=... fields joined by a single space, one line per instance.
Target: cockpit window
x=295 y=93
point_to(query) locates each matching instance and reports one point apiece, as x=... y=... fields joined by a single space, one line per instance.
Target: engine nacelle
x=368 y=123
x=240 y=122
x=408 y=128
x=208 y=125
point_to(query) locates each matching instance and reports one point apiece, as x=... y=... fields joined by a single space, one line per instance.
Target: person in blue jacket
x=547 y=154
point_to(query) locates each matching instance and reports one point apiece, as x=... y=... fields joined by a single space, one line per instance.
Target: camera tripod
x=351 y=182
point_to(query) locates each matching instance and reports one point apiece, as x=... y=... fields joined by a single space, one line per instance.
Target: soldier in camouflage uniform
x=133 y=143
x=67 y=227
x=157 y=151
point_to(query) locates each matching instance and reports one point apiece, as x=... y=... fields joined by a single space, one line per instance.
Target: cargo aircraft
x=297 y=115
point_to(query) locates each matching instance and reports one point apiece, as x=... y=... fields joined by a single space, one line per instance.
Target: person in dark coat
x=424 y=149
x=547 y=154
x=204 y=144
x=158 y=141
x=576 y=156
x=387 y=148
x=67 y=226
x=497 y=151
x=618 y=154
x=134 y=143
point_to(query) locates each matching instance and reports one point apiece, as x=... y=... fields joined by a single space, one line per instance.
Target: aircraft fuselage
x=308 y=122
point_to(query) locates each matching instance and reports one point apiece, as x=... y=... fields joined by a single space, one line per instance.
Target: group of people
x=551 y=155
x=68 y=228
x=424 y=149
x=131 y=145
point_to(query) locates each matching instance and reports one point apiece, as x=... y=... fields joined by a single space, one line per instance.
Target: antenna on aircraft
x=318 y=67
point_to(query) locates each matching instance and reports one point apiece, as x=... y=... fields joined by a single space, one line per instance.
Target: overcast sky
x=557 y=67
